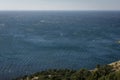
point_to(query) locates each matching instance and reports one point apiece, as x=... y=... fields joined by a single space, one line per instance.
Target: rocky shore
x=106 y=72
x=116 y=65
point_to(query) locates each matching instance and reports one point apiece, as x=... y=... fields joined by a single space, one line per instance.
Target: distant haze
x=59 y=4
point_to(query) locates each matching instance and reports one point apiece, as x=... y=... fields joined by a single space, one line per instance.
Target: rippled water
x=34 y=41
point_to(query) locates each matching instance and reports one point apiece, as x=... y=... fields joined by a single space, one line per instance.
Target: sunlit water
x=34 y=41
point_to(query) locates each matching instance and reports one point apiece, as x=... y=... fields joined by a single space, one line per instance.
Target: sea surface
x=32 y=41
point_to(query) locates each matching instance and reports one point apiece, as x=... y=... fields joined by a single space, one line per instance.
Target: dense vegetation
x=99 y=73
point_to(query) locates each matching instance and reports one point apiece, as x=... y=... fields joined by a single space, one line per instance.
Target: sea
x=33 y=41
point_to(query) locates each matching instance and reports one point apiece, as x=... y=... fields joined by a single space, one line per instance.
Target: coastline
x=115 y=65
x=107 y=72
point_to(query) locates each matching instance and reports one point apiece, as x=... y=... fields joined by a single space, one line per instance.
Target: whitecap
x=42 y=21
x=2 y=26
x=36 y=39
x=61 y=34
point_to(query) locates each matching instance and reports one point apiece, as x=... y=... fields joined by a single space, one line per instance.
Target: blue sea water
x=31 y=41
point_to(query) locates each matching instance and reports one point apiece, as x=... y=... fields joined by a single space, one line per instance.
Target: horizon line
x=59 y=10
